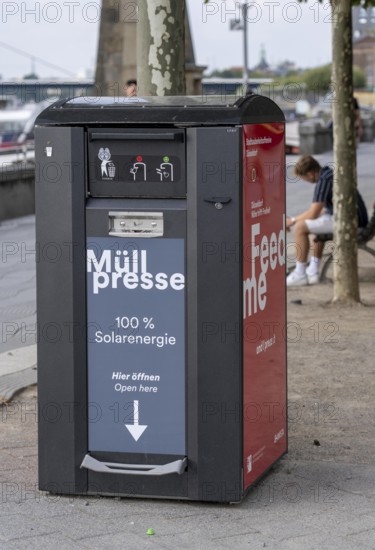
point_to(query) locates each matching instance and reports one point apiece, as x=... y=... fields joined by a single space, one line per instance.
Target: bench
x=365 y=235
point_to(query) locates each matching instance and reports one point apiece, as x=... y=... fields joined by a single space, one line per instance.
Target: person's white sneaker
x=313 y=279
x=296 y=279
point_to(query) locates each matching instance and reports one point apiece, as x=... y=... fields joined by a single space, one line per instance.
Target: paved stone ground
x=299 y=504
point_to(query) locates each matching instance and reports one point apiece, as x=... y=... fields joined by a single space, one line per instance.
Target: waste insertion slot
x=168 y=136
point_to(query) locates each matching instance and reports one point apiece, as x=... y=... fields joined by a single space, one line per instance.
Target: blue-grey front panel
x=136 y=344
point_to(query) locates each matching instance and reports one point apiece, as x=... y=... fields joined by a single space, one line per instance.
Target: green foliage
x=227 y=73
x=31 y=76
x=359 y=78
x=318 y=79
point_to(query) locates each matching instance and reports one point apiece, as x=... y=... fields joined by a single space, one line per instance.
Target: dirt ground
x=331 y=378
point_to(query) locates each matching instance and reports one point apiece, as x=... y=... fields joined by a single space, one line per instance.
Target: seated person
x=317 y=219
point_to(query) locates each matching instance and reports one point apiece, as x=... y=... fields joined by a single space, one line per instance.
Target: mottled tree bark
x=346 y=285
x=161 y=47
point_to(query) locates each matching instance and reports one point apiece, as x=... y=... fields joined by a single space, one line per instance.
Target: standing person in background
x=131 y=88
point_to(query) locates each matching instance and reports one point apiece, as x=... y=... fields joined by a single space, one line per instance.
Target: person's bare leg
x=312 y=270
x=317 y=249
x=302 y=243
x=298 y=277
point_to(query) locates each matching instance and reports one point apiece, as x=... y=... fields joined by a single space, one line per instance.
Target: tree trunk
x=161 y=47
x=346 y=285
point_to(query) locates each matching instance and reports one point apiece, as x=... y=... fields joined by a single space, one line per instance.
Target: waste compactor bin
x=160 y=226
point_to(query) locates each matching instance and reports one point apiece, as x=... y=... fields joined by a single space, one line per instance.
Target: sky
x=65 y=34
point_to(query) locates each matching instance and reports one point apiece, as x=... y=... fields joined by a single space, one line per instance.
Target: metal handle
x=176 y=467
x=136 y=224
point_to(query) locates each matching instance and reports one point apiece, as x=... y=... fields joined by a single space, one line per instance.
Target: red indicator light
x=139 y=158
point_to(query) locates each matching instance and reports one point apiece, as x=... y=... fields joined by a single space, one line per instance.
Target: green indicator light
x=166 y=159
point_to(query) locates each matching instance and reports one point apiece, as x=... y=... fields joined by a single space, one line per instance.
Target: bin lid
x=199 y=110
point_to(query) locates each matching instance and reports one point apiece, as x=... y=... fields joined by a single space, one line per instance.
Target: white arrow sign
x=136 y=429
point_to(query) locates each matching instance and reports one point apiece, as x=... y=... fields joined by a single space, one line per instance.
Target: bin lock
x=136 y=224
x=218 y=201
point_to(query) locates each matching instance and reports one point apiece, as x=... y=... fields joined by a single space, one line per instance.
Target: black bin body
x=161 y=296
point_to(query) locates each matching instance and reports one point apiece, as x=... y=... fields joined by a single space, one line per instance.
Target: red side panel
x=264 y=303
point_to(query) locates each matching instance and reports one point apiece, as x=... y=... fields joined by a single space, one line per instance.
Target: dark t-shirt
x=324 y=190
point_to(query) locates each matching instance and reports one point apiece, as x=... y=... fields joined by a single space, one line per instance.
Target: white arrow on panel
x=136 y=429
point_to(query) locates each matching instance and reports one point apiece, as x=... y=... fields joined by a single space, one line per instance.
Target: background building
x=364 y=42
